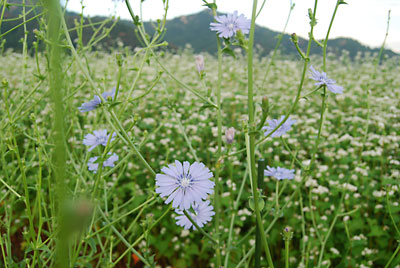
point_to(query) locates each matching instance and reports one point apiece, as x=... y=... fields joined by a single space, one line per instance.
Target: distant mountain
x=191 y=29
x=194 y=30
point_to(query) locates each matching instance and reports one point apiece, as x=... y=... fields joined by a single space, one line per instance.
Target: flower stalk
x=217 y=199
x=250 y=138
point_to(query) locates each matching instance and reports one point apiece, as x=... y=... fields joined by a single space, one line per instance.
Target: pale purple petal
x=202 y=214
x=279 y=173
x=322 y=79
x=184 y=184
x=100 y=137
x=227 y=25
x=272 y=124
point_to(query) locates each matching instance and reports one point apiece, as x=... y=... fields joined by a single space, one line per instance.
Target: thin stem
x=129 y=245
x=199 y=228
x=219 y=152
x=300 y=87
x=390 y=212
x=10 y=188
x=156 y=57
x=182 y=129
x=260 y=182
x=278 y=43
x=234 y=212
x=92 y=83
x=277 y=196
x=384 y=42
x=140 y=238
x=292 y=154
x=144 y=204
x=392 y=257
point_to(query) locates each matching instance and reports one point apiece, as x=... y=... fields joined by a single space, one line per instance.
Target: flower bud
x=265 y=104
x=287 y=233
x=295 y=39
x=199 y=63
x=229 y=135
x=119 y=59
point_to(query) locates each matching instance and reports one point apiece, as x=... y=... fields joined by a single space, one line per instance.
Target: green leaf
x=92 y=245
x=390 y=181
x=261 y=203
x=210 y=5
x=112 y=105
x=229 y=51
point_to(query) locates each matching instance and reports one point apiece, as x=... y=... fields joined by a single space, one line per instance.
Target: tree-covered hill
x=191 y=29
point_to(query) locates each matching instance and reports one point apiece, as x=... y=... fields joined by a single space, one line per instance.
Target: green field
x=342 y=207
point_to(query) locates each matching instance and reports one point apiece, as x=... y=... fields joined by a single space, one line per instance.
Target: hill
x=191 y=29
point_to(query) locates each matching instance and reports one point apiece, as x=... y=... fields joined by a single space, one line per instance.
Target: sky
x=363 y=20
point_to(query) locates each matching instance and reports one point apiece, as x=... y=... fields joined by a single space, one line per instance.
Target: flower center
x=102 y=140
x=231 y=26
x=185 y=182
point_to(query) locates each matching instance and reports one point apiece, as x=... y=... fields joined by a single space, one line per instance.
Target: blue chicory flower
x=227 y=25
x=109 y=94
x=92 y=166
x=203 y=213
x=99 y=137
x=93 y=104
x=322 y=79
x=184 y=184
x=281 y=130
x=279 y=173
x=110 y=161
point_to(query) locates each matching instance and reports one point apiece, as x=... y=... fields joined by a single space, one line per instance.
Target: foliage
x=342 y=205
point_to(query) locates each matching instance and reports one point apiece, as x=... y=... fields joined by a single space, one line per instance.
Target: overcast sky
x=364 y=20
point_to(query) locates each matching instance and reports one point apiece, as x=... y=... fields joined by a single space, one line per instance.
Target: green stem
x=287 y=242
x=327 y=35
x=114 y=117
x=383 y=44
x=199 y=228
x=312 y=92
x=56 y=88
x=19 y=25
x=120 y=218
x=118 y=80
x=147 y=43
x=303 y=229
x=392 y=257
x=250 y=138
x=140 y=238
x=390 y=212
x=10 y=188
x=278 y=43
x=234 y=212
x=260 y=182
x=300 y=87
x=217 y=197
x=129 y=245
x=182 y=129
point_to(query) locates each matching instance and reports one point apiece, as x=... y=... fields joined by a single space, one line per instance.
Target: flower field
x=148 y=158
